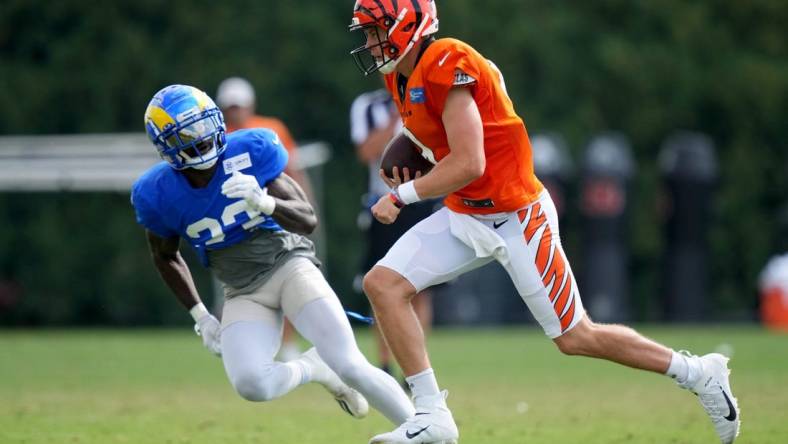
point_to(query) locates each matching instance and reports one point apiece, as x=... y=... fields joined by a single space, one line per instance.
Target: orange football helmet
x=390 y=28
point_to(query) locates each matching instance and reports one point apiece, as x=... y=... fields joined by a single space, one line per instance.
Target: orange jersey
x=508 y=182
x=274 y=124
x=271 y=123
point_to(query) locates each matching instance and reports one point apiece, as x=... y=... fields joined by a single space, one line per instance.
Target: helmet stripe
x=382 y=8
x=202 y=99
x=367 y=12
x=159 y=117
x=417 y=9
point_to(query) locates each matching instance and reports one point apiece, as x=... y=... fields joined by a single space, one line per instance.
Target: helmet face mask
x=376 y=53
x=186 y=127
x=391 y=29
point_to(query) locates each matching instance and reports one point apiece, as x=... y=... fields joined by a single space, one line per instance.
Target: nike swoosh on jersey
x=443 y=59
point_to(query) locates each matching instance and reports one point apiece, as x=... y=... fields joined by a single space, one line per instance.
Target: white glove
x=209 y=328
x=246 y=187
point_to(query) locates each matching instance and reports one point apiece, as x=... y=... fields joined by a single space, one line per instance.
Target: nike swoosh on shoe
x=416 y=433
x=731 y=409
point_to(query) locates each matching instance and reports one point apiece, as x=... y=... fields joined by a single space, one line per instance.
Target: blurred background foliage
x=577 y=68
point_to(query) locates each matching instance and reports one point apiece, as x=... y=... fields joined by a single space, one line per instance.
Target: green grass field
x=507 y=386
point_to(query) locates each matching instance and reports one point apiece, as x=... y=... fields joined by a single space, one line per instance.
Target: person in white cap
x=236 y=98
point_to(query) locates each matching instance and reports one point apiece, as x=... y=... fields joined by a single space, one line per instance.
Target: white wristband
x=267 y=205
x=407 y=193
x=198 y=311
x=263 y=202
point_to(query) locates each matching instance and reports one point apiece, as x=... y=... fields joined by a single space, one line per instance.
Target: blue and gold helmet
x=186 y=127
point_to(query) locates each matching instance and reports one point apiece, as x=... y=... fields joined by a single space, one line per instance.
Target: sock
x=694 y=370
x=679 y=368
x=685 y=369
x=423 y=383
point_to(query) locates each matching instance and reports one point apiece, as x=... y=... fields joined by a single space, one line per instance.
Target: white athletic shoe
x=432 y=423
x=714 y=392
x=351 y=401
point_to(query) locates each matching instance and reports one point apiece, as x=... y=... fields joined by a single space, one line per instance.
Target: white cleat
x=714 y=392
x=432 y=424
x=351 y=401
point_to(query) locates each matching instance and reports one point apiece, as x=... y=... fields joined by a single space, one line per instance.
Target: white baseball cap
x=235 y=91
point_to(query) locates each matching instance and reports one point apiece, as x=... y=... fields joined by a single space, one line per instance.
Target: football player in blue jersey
x=228 y=196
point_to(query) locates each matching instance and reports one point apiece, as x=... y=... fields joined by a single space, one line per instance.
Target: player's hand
x=209 y=328
x=246 y=187
x=397 y=179
x=385 y=211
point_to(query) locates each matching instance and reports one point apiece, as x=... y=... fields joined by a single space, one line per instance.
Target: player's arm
x=292 y=211
x=175 y=273
x=283 y=199
x=292 y=169
x=302 y=179
x=173 y=269
x=465 y=162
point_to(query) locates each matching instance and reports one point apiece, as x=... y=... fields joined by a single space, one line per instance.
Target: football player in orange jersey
x=454 y=106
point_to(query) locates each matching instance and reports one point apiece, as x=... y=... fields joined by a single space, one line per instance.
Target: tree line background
x=573 y=67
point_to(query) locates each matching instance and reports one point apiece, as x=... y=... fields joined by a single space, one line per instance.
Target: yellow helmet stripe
x=159 y=117
x=202 y=99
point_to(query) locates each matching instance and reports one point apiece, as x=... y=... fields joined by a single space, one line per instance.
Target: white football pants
x=251 y=336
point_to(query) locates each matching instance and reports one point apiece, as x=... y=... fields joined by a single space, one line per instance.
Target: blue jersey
x=167 y=205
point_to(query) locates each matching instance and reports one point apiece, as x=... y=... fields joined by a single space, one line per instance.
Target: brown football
x=401 y=152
